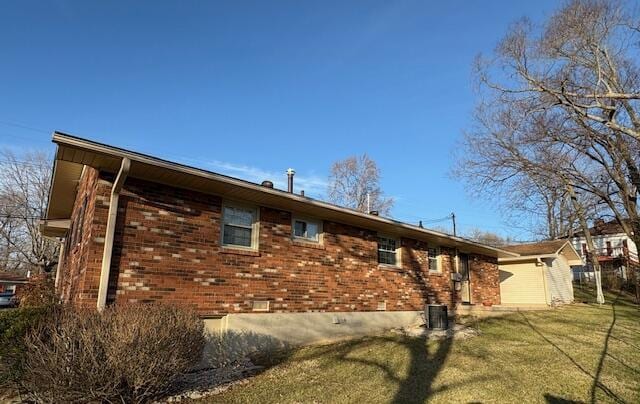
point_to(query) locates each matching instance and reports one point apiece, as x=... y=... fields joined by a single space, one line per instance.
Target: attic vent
x=267 y=184
x=260 y=305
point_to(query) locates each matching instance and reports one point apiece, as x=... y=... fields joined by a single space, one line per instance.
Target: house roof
x=545 y=249
x=74 y=152
x=12 y=277
x=602 y=228
x=538 y=248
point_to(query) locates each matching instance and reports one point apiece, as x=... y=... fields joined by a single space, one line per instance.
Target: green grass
x=580 y=353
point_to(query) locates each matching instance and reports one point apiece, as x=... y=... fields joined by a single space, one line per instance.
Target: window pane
x=387 y=250
x=387 y=244
x=312 y=230
x=237 y=236
x=306 y=229
x=432 y=255
x=386 y=257
x=299 y=228
x=237 y=216
x=433 y=264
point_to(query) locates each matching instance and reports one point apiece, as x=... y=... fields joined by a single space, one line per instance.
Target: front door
x=465 y=284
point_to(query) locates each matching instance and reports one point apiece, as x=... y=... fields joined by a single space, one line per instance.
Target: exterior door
x=465 y=284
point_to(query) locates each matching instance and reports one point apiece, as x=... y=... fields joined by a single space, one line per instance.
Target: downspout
x=60 y=258
x=111 y=229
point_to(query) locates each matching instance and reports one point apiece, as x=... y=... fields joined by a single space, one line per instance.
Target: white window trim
x=438 y=259
x=255 y=227
x=398 y=263
x=318 y=222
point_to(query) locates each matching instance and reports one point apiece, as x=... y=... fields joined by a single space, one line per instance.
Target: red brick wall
x=80 y=267
x=167 y=248
x=485 y=280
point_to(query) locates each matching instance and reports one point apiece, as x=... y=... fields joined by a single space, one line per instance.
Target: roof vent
x=290 y=173
x=374 y=213
x=267 y=184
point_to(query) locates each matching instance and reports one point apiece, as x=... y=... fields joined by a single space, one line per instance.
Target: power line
x=23 y=126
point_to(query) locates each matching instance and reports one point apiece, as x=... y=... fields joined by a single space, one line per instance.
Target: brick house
x=135 y=228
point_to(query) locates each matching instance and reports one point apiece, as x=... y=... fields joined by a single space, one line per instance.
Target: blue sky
x=252 y=88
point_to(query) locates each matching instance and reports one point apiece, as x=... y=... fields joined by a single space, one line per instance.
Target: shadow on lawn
x=426 y=359
x=596 y=383
x=423 y=369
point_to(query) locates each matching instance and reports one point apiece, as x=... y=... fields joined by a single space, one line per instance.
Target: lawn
x=579 y=353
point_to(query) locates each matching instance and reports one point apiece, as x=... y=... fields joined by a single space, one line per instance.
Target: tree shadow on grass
x=596 y=383
x=424 y=366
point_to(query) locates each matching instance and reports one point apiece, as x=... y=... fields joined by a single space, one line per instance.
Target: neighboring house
x=613 y=247
x=541 y=275
x=247 y=256
x=10 y=283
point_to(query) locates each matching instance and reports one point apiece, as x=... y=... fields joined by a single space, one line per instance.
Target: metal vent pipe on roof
x=290 y=173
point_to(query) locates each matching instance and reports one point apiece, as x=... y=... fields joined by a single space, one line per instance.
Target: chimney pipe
x=302 y=192
x=290 y=173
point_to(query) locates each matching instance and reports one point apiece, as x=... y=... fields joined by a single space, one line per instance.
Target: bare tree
x=565 y=100
x=355 y=183
x=488 y=238
x=24 y=188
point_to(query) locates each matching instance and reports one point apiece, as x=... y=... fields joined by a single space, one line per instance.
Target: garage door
x=521 y=284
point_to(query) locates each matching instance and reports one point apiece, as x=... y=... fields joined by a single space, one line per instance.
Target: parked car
x=7 y=300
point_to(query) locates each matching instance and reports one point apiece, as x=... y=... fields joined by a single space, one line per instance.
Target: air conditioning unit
x=437 y=318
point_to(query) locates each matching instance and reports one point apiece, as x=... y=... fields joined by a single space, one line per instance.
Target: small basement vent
x=437 y=317
x=260 y=305
x=382 y=306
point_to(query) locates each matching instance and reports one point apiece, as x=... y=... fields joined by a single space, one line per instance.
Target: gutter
x=111 y=229
x=526 y=258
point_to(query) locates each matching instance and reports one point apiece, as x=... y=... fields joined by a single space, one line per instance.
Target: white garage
x=540 y=276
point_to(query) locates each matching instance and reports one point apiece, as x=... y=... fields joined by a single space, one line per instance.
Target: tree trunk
x=592 y=255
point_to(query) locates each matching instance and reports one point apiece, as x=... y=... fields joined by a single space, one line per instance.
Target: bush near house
x=14 y=325
x=39 y=292
x=130 y=354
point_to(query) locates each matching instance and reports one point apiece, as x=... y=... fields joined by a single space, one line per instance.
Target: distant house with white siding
x=613 y=247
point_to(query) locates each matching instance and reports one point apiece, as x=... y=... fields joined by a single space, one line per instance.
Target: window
x=432 y=259
x=388 y=251
x=307 y=230
x=260 y=305
x=239 y=226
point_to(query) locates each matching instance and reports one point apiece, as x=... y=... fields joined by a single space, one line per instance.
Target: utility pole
x=453 y=220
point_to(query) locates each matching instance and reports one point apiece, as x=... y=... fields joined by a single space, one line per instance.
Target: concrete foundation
x=237 y=335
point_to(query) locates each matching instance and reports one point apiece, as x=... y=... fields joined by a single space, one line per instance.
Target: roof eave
x=114 y=155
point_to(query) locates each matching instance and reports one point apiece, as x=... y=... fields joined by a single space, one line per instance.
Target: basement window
x=260 y=305
x=240 y=226
x=388 y=249
x=306 y=230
